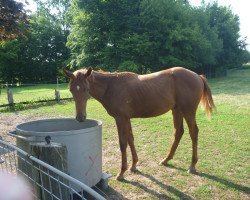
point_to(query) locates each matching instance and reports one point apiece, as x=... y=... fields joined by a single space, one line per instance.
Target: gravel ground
x=10 y=121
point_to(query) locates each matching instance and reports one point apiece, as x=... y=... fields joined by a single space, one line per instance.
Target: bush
x=129 y=66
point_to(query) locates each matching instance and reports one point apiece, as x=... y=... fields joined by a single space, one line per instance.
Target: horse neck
x=98 y=84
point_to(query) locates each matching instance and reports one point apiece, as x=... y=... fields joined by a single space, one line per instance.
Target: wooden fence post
x=57 y=95
x=55 y=155
x=10 y=96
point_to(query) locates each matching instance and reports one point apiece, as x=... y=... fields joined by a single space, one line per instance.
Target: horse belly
x=156 y=100
x=151 y=109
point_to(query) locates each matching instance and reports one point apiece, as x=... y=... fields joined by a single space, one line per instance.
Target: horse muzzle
x=80 y=118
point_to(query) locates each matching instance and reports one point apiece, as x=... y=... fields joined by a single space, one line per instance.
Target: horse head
x=79 y=87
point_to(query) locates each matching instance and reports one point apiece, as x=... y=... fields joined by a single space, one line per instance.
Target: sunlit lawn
x=34 y=93
x=224 y=148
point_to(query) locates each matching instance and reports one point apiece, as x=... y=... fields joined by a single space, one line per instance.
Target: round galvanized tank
x=82 y=139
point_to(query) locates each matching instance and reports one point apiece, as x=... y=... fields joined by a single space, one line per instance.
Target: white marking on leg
x=78 y=87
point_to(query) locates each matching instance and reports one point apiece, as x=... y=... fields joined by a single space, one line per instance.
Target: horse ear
x=68 y=73
x=90 y=69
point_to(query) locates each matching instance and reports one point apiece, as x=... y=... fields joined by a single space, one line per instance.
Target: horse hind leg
x=193 y=131
x=178 y=132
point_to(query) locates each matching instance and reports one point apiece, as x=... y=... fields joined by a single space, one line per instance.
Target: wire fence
x=47 y=182
x=32 y=93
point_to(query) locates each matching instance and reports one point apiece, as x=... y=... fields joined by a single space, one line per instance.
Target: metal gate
x=65 y=184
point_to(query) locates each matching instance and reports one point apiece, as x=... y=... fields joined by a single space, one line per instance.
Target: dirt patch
x=10 y=121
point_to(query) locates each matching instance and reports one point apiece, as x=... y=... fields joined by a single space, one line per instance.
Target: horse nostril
x=79 y=119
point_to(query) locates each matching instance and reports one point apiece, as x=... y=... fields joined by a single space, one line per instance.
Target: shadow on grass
x=225 y=182
x=168 y=188
x=109 y=194
x=113 y=194
x=235 y=186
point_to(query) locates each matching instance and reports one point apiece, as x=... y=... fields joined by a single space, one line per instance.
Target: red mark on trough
x=93 y=161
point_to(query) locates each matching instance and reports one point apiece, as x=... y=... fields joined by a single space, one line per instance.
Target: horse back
x=142 y=95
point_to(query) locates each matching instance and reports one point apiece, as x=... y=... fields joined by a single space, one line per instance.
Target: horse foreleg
x=178 y=132
x=132 y=148
x=122 y=127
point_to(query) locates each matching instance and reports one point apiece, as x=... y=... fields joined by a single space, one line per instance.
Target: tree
x=13 y=19
x=46 y=46
x=176 y=34
x=37 y=56
x=56 y=8
x=151 y=34
x=134 y=35
x=9 y=51
x=212 y=47
x=98 y=29
x=227 y=25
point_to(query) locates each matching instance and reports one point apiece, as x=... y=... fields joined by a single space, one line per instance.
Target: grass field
x=224 y=147
x=34 y=93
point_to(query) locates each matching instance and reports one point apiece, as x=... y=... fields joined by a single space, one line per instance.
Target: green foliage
x=46 y=46
x=37 y=56
x=9 y=51
x=154 y=35
x=246 y=56
x=57 y=9
x=129 y=66
x=228 y=28
x=98 y=31
x=126 y=35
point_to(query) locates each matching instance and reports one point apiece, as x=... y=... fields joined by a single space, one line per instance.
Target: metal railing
x=60 y=186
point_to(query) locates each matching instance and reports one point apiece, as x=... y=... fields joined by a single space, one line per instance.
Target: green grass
x=34 y=93
x=224 y=147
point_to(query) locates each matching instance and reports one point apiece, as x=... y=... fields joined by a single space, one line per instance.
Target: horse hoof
x=163 y=162
x=119 y=177
x=192 y=171
x=133 y=169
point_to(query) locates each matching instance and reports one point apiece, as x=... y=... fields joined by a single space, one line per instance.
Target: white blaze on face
x=78 y=87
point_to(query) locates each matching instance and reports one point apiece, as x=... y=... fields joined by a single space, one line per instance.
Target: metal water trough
x=83 y=141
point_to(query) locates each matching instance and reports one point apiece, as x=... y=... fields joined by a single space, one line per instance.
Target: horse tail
x=207 y=99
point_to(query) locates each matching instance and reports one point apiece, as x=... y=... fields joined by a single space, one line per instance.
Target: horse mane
x=103 y=72
x=79 y=72
x=115 y=73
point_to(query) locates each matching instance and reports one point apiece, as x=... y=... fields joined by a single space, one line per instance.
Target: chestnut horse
x=127 y=95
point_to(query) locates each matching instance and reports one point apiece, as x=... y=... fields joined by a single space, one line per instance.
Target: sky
x=239 y=7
